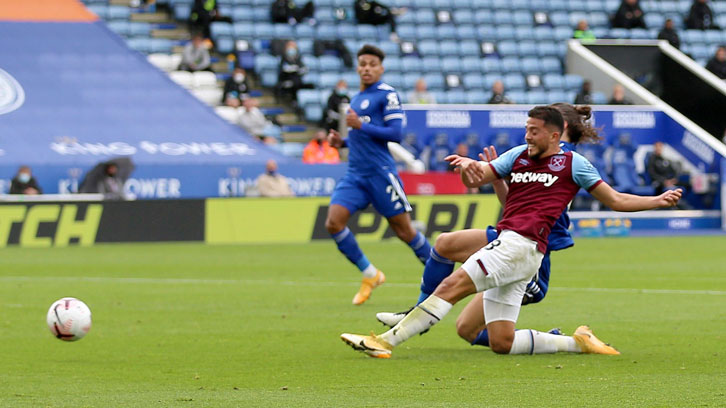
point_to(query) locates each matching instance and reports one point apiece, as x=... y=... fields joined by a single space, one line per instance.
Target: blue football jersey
x=560 y=237
x=378 y=105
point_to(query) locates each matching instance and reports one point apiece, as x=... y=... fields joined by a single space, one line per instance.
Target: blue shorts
x=382 y=189
x=537 y=289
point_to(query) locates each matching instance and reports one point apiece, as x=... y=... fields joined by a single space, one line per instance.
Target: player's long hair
x=578 y=128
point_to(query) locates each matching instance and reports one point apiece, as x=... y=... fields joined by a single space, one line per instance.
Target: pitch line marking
x=194 y=281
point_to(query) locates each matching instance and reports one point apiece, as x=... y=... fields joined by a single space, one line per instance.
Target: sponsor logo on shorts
x=529 y=177
x=557 y=163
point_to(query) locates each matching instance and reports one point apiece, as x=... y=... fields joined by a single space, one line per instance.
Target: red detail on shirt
x=536 y=198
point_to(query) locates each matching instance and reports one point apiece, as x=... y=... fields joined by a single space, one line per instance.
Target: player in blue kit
x=375 y=118
x=458 y=246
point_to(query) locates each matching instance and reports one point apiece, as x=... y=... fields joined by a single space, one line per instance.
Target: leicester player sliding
x=375 y=118
x=544 y=179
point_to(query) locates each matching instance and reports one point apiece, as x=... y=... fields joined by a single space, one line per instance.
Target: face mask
x=291 y=52
x=239 y=77
x=271 y=172
x=342 y=91
x=23 y=177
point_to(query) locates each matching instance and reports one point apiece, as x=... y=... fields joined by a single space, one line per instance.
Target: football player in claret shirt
x=375 y=118
x=544 y=179
x=458 y=246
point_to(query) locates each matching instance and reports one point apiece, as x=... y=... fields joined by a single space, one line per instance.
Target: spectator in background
x=111 y=185
x=583 y=32
x=25 y=183
x=717 y=64
x=661 y=170
x=618 y=97
x=286 y=11
x=669 y=34
x=318 y=150
x=255 y=123
x=584 y=97
x=629 y=15
x=375 y=13
x=195 y=56
x=498 y=94
x=272 y=183
x=332 y=112
x=420 y=94
x=203 y=13
x=700 y=17
x=292 y=69
x=238 y=84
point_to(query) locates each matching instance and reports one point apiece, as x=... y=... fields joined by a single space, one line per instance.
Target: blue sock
x=349 y=247
x=481 y=339
x=436 y=270
x=421 y=247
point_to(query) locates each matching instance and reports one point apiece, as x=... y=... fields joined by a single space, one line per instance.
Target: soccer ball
x=69 y=319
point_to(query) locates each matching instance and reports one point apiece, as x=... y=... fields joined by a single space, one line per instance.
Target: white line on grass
x=193 y=281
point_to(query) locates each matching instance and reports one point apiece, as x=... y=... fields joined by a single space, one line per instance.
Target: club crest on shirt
x=557 y=163
x=365 y=104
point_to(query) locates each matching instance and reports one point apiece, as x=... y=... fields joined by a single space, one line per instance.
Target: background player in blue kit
x=375 y=118
x=458 y=246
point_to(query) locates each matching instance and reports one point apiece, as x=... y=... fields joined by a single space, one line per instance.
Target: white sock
x=370 y=271
x=426 y=314
x=535 y=342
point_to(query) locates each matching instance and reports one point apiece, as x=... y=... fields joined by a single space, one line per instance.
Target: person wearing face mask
x=24 y=183
x=237 y=83
x=292 y=69
x=338 y=97
x=320 y=151
x=273 y=184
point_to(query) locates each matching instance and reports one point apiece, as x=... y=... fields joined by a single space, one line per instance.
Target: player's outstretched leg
x=345 y=240
x=401 y=225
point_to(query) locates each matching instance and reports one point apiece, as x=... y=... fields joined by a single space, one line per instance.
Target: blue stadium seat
x=483 y=17
x=326 y=32
x=536 y=97
x=303 y=31
x=701 y=51
x=451 y=65
x=139 y=28
x=313 y=113
x=390 y=48
x=446 y=32
x=514 y=82
x=224 y=45
x=367 y=32
x=466 y=32
x=139 y=44
x=505 y=32
x=305 y=46
x=308 y=96
x=563 y=33
x=431 y=64
x=573 y=82
x=328 y=79
x=490 y=79
x=118 y=13
x=243 y=31
x=694 y=36
x=424 y=16
x=481 y=4
x=471 y=64
x=264 y=30
x=576 y=16
x=407 y=32
x=259 y=13
x=411 y=64
x=182 y=11
x=619 y=33
x=531 y=65
x=347 y=32
x=491 y=65
x=463 y=16
x=329 y=63
x=551 y=64
x=576 y=5
x=429 y=48
x=556 y=96
x=599 y=98
x=311 y=62
x=527 y=48
x=434 y=81
x=393 y=79
x=507 y=48
x=560 y=19
x=541 y=5
x=640 y=34
x=465 y=47
x=119 y=27
x=599 y=19
x=220 y=29
x=520 y=5
x=486 y=32
x=523 y=18
x=324 y=16
x=714 y=37
x=547 y=49
x=451 y=48
x=463 y=4
x=241 y=14
x=312 y=78
x=101 y=10
x=284 y=31
x=553 y=81
x=501 y=5
x=511 y=64
x=600 y=32
x=524 y=33
x=392 y=64
x=473 y=81
x=667 y=7
x=266 y=62
x=516 y=96
x=425 y=32
x=595 y=5
x=409 y=79
x=477 y=97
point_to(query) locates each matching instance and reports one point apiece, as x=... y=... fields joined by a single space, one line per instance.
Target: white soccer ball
x=69 y=319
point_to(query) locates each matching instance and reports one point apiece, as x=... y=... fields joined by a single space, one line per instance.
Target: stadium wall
x=221 y=221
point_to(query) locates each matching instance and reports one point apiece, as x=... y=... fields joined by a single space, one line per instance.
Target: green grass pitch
x=186 y=325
